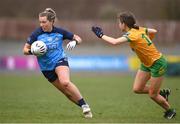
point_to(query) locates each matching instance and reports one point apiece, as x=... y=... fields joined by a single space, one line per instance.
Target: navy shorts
x=51 y=75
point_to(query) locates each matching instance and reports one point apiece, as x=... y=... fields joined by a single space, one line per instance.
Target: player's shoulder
x=143 y=29
x=137 y=32
x=132 y=34
x=37 y=31
x=58 y=30
x=63 y=31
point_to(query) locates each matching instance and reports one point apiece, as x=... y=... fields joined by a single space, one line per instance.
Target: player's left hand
x=71 y=45
x=98 y=31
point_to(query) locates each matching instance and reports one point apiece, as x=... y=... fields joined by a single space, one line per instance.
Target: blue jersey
x=54 y=43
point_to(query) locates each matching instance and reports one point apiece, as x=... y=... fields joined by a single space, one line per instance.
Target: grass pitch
x=31 y=99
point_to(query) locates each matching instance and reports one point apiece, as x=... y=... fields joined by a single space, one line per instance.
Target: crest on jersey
x=50 y=39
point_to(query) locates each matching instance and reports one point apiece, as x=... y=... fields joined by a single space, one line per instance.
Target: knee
x=64 y=83
x=137 y=90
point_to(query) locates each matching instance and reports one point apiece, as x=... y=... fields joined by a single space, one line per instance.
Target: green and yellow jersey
x=142 y=45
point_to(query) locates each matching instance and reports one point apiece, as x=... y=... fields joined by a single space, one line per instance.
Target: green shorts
x=158 y=69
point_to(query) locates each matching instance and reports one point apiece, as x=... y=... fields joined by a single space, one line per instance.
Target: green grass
x=32 y=99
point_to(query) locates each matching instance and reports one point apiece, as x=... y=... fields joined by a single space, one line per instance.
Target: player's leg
x=85 y=107
x=158 y=69
x=141 y=79
x=52 y=77
x=141 y=87
x=56 y=83
x=65 y=85
x=70 y=90
x=155 y=84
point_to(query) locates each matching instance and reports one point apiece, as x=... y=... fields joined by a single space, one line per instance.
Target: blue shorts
x=51 y=75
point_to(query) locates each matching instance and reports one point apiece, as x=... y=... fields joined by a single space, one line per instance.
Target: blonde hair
x=49 y=13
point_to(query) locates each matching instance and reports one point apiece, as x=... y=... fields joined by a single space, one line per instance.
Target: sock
x=81 y=102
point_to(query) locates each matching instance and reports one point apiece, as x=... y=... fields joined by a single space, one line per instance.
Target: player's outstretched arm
x=114 y=41
x=99 y=33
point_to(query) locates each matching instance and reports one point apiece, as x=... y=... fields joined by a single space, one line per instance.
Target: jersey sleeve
x=31 y=39
x=126 y=36
x=68 y=35
x=130 y=37
x=33 y=36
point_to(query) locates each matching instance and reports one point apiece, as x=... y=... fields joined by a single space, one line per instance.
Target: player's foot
x=86 y=111
x=169 y=114
x=165 y=93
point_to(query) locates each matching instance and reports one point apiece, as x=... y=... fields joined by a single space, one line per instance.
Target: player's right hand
x=98 y=31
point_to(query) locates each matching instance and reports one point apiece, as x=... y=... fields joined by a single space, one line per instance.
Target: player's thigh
x=63 y=73
x=141 y=79
x=155 y=85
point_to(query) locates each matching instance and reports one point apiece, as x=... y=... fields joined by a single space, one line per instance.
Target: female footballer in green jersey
x=153 y=64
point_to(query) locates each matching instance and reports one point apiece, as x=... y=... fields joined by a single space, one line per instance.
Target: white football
x=38 y=48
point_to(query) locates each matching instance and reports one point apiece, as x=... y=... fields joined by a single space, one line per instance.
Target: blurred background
x=18 y=18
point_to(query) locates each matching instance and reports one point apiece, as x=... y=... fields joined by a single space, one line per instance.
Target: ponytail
x=135 y=26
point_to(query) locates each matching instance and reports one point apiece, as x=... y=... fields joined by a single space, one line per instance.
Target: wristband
x=29 y=51
x=100 y=36
x=76 y=41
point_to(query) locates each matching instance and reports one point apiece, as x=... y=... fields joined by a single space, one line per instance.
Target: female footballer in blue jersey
x=54 y=64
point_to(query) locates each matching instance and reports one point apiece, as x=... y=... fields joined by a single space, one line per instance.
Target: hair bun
x=50 y=10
